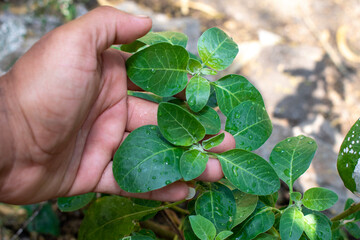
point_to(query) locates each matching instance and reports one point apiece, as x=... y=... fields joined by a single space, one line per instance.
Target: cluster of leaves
x=243 y=204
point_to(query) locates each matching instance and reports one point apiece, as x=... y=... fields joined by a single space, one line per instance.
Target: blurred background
x=302 y=55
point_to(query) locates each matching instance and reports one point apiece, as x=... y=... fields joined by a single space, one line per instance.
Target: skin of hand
x=65 y=110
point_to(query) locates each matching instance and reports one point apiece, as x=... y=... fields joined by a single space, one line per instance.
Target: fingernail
x=191 y=193
x=142 y=16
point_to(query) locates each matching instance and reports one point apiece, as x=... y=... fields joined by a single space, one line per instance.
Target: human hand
x=66 y=110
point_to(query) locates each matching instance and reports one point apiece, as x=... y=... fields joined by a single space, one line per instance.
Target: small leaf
x=353 y=229
x=256 y=224
x=145 y=161
x=46 y=222
x=112 y=217
x=69 y=204
x=232 y=90
x=265 y=236
x=223 y=235
x=295 y=196
x=250 y=125
x=348 y=162
x=174 y=38
x=208 y=71
x=202 y=227
x=179 y=126
x=291 y=224
x=319 y=199
x=217 y=205
x=292 y=157
x=249 y=172
x=194 y=66
x=316 y=227
x=188 y=230
x=149 y=96
x=216 y=49
x=146 y=203
x=192 y=164
x=213 y=142
x=132 y=47
x=160 y=69
x=245 y=205
x=197 y=93
x=210 y=119
x=269 y=200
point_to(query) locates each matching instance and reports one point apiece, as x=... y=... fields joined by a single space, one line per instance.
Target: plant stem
x=162 y=231
x=180 y=210
x=274 y=232
x=352 y=209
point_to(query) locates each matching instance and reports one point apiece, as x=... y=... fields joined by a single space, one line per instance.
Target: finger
x=212 y=173
x=105 y=26
x=227 y=144
x=140 y=113
x=173 y=192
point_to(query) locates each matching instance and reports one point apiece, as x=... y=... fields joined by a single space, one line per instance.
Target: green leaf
x=138 y=237
x=217 y=205
x=356 y=215
x=132 y=47
x=160 y=69
x=292 y=157
x=353 y=229
x=69 y=204
x=112 y=217
x=145 y=161
x=223 y=235
x=197 y=93
x=348 y=162
x=295 y=196
x=265 y=236
x=245 y=205
x=270 y=200
x=216 y=49
x=202 y=227
x=232 y=90
x=316 y=227
x=213 y=142
x=208 y=71
x=149 y=96
x=319 y=199
x=188 y=231
x=179 y=126
x=210 y=119
x=249 y=172
x=256 y=224
x=192 y=164
x=46 y=222
x=174 y=38
x=146 y=203
x=291 y=224
x=250 y=125
x=194 y=66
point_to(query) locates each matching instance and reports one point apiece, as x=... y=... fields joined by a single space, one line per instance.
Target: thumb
x=105 y=26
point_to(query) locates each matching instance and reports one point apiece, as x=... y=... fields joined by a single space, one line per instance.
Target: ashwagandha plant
x=243 y=204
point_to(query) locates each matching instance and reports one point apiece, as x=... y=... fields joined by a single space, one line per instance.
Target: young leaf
x=194 y=66
x=188 y=230
x=145 y=161
x=291 y=224
x=202 y=227
x=256 y=224
x=295 y=196
x=217 y=205
x=192 y=164
x=197 y=93
x=223 y=235
x=179 y=126
x=348 y=162
x=216 y=49
x=319 y=199
x=165 y=74
x=353 y=229
x=149 y=96
x=249 y=172
x=232 y=90
x=46 y=222
x=245 y=205
x=269 y=200
x=208 y=71
x=250 y=125
x=132 y=47
x=112 y=217
x=292 y=157
x=317 y=227
x=174 y=38
x=210 y=119
x=213 y=142
x=69 y=204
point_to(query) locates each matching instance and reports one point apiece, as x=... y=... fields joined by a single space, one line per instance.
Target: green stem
x=291 y=190
x=352 y=209
x=180 y=210
x=274 y=232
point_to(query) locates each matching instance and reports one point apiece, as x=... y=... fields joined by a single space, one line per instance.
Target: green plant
x=243 y=204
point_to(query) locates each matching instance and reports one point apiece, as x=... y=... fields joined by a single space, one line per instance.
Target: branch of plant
x=161 y=230
x=352 y=209
x=172 y=222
